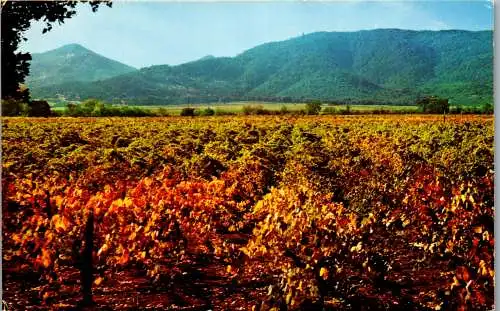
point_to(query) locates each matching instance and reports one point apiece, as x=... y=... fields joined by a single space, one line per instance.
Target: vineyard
x=248 y=213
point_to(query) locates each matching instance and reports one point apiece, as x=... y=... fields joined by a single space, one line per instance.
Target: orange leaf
x=124 y=259
x=46 y=258
x=98 y=281
x=103 y=249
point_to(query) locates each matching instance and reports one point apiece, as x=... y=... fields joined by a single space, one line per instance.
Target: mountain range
x=72 y=62
x=384 y=65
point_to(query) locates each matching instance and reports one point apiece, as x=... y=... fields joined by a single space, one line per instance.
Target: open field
x=238 y=107
x=249 y=213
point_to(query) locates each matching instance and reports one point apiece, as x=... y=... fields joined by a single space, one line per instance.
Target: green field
x=237 y=107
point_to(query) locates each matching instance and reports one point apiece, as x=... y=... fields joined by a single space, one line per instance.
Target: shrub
x=330 y=110
x=39 y=108
x=314 y=107
x=95 y=108
x=35 y=108
x=347 y=110
x=220 y=112
x=284 y=110
x=254 y=110
x=456 y=109
x=162 y=112
x=207 y=112
x=11 y=107
x=487 y=108
x=187 y=112
x=433 y=104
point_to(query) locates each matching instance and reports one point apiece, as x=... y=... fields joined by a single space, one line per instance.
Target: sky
x=145 y=33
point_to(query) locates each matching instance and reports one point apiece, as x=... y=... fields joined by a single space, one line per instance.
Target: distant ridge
x=383 y=65
x=207 y=57
x=70 y=63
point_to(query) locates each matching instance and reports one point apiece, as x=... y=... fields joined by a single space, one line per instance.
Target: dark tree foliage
x=313 y=107
x=16 y=18
x=187 y=112
x=10 y=108
x=432 y=104
x=39 y=108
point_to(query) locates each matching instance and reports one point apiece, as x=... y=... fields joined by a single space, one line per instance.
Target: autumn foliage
x=340 y=213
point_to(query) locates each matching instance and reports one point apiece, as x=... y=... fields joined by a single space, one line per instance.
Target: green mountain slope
x=72 y=63
x=385 y=65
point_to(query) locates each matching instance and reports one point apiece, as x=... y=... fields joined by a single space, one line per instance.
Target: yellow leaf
x=60 y=224
x=103 y=249
x=357 y=248
x=98 y=281
x=128 y=202
x=323 y=272
x=59 y=201
x=49 y=235
x=455 y=282
x=8 y=164
x=17 y=238
x=269 y=290
x=228 y=269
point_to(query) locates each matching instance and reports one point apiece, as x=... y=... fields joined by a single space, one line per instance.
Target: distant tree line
x=88 y=108
x=433 y=104
x=97 y=108
x=30 y=108
x=228 y=99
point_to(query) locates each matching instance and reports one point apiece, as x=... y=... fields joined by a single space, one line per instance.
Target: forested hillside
x=71 y=63
x=385 y=65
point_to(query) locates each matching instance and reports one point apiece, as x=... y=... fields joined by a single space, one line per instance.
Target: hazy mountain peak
x=207 y=57
x=69 y=48
x=72 y=62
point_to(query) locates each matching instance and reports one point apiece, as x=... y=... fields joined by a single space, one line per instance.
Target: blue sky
x=142 y=33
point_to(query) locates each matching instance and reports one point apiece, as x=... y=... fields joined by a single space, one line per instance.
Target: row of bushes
x=246 y=110
x=315 y=109
x=89 y=108
x=191 y=112
x=484 y=109
x=96 y=108
x=33 y=108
